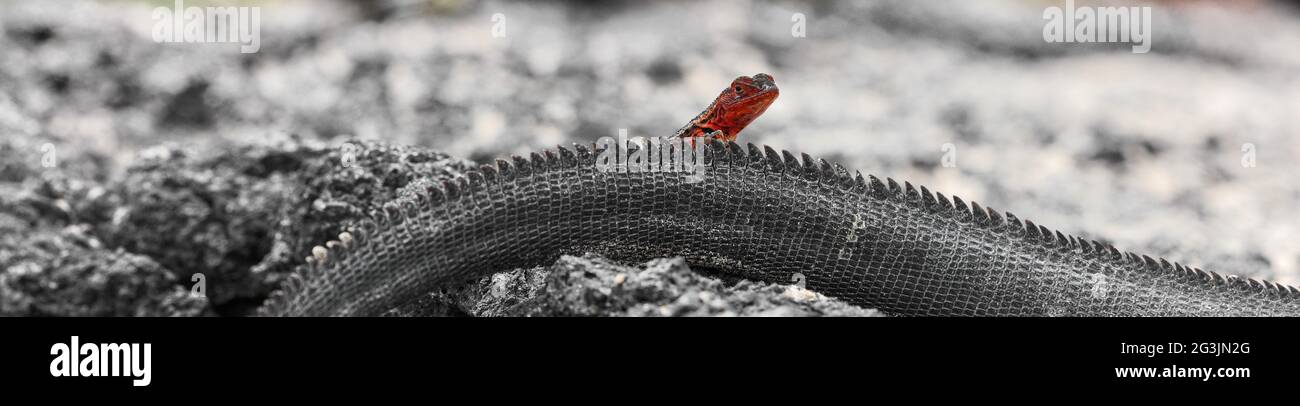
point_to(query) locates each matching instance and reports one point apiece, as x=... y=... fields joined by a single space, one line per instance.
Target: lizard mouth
x=766 y=92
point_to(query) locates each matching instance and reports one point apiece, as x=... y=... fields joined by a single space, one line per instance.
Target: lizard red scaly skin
x=735 y=108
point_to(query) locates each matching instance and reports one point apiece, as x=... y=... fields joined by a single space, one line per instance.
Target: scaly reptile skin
x=761 y=215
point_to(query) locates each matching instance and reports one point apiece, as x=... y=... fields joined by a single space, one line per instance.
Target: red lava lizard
x=735 y=108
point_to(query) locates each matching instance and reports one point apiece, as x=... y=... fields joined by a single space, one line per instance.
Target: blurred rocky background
x=129 y=166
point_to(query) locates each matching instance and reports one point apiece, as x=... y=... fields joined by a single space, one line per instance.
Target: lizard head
x=746 y=99
x=751 y=93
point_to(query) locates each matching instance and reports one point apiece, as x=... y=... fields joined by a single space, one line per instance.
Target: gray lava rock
x=594 y=286
x=246 y=217
x=214 y=216
x=69 y=273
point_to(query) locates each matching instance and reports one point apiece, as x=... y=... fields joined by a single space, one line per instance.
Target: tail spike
x=567 y=159
x=505 y=170
x=451 y=189
x=1205 y=276
x=995 y=218
x=1087 y=247
x=1150 y=263
x=717 y=145
x=1133 y=258
x=927 y=200
x=809 y=166
x=722 y=154
x=1254 y=284
x=843 y=177
x=714 y=151
x=522 y=165
x=736 y=154
x=475 y=181
x=1114 y=253
x=910 y=195
x=1210 y=277
x=789 y=163
x=962 y=212
x=1202 y=276
x=981 y=216
x=860 y=184
x=584 y=152
x=1046 y=233
x=1074 y=243
x=895 y=191
x=826 y=172
x=773 y=159
x=877 y=188
x=1233 y=282
x=1031 y=230
x=552 y=159
x=755 y=155
x=945 y=205
x=1014 y=225
x=1062 y=241
x=489 y=173
x=1275 y=289
x=1216 y=278
x=1101 y=248
x=538 y=162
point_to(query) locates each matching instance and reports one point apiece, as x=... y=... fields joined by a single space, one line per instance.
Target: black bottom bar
x=356 y=354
